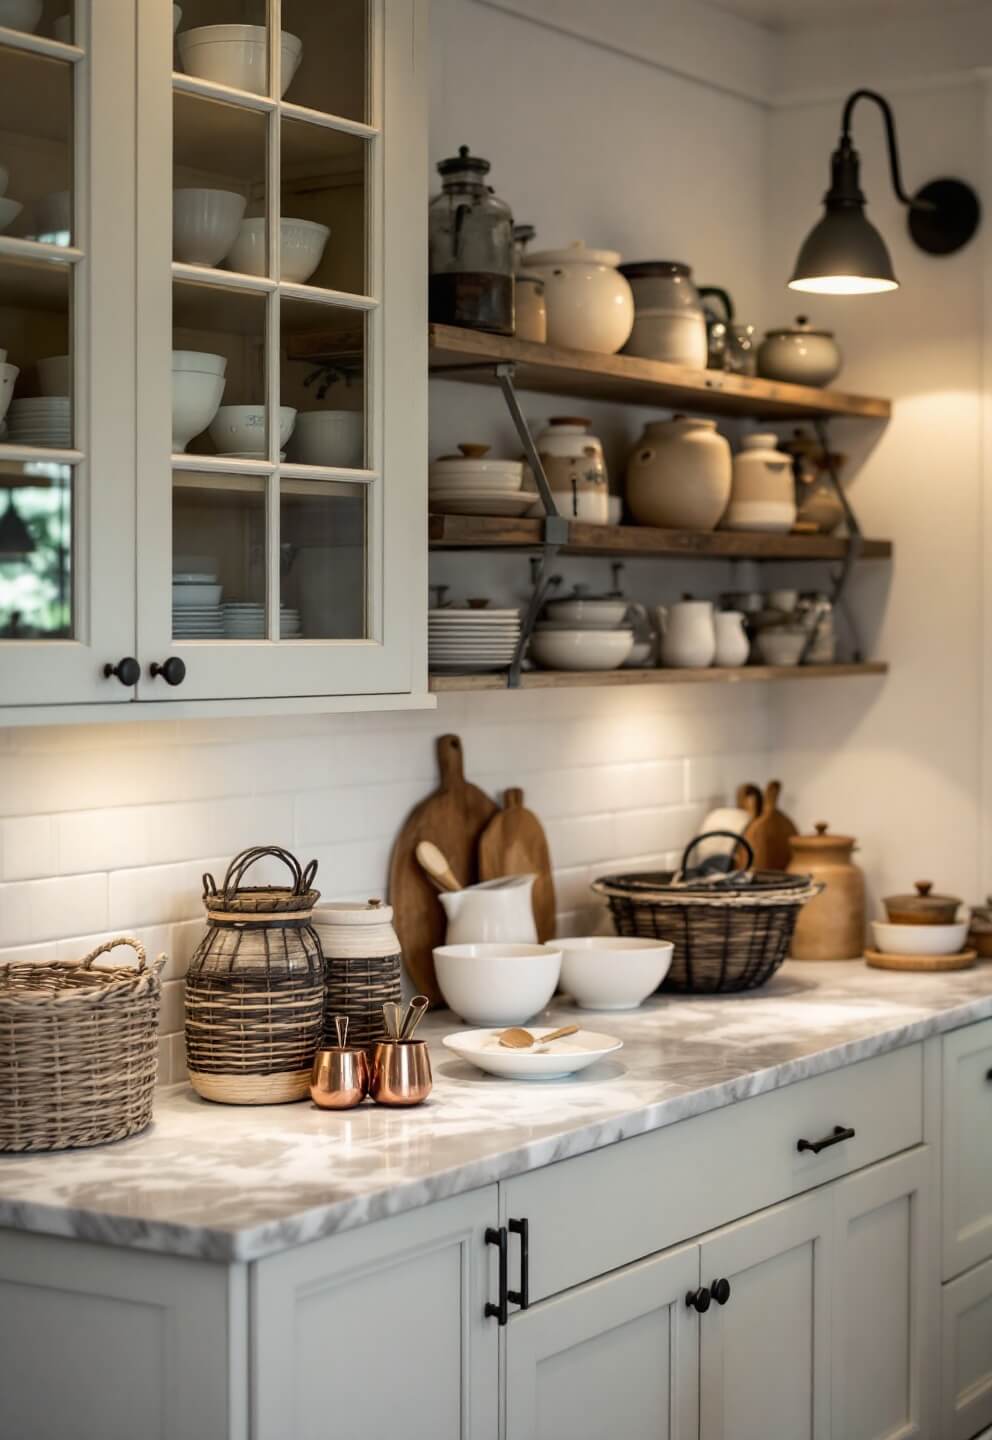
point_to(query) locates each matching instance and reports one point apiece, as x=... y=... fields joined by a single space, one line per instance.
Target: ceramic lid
x=641 y=269
x=801 y=327
x=353 y=912
x=923 y=904
x=821 y=840
x=576 y=253
x=759 y=442
x=580 y=591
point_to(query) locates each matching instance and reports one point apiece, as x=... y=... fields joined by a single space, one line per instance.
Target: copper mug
x=340 y=1078
x=401 y=1072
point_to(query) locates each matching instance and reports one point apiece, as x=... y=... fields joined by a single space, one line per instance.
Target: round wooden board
x=879 y=960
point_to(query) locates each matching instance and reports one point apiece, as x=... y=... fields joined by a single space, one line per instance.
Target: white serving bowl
x=487 y=472
x=185 y=597
x=920 y=939
x=602 y=613
x=237 y=55
x=200 y=360
x=241 y=428
x=204 y=224
x=498 y=983
x=196 y=396
x=301 y=248
x=21 y=14
x=613 y=973
x=330 y=437
x=8 y=375
x=9 y=211
x=580 y=649
x=779 y=646
x=54 y=375
x=562 y=1057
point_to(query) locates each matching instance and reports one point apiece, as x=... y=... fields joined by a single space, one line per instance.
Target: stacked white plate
x=43 y=420
x=245 y=620
x=469 y=484
x=461 y=640
x=196 y=607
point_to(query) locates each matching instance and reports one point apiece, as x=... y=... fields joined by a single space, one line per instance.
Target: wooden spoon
x=518 y=1039
x=435 y=865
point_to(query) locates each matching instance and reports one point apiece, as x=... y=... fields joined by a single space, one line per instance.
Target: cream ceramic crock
x=679 y=474
x=590 y=305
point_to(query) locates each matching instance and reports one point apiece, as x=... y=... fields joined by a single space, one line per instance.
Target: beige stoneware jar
x=679 y=475
x=576 y=469
x=762 y=496
x=832 y=925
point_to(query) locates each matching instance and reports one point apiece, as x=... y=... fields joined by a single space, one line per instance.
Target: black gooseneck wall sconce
x=844 y=254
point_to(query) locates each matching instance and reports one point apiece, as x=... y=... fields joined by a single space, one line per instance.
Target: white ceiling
x=803 y=14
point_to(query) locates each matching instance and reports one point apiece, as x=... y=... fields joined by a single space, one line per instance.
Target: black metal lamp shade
x=844 y=254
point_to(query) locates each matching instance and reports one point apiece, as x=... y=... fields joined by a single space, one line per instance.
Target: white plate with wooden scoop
x=547 y=1058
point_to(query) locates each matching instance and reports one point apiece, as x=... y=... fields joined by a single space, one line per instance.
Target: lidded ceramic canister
x=762 y=496
x=832 y=925
x=679 y=475
x=923 y=908
x=800 y=355
x=363 y=956
x=590 y=304
x=669 y=323
x=576 y=469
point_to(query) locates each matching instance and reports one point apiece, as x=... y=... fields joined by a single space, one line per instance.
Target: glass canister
x=531 y=308
x=471 y=249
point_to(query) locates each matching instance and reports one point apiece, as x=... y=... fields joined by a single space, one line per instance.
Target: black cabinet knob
x=720 y=1290
x=128 y=671
x=698 y=1299
x=172 y=671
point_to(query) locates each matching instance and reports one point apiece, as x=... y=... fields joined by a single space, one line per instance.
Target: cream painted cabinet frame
x=67 y=593
x=317 y=546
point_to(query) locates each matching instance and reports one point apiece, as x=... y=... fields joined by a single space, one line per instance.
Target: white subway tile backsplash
x=33 y=910
x=29 y=848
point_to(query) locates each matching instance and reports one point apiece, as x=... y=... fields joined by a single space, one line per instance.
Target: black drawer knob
x=128 y=671
x=720 y=1290
x=172 y=671
x=698 y=1299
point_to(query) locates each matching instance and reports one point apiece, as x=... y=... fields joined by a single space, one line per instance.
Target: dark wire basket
x=730 y=931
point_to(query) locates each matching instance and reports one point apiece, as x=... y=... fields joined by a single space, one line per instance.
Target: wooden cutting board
x=453 y=818
x=769 y=832
x=514 y=843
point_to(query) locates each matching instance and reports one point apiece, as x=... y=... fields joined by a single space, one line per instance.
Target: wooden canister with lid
x=831 y=926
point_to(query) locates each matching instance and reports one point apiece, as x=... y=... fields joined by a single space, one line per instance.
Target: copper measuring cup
x=340 y=1076
x=401 y=1072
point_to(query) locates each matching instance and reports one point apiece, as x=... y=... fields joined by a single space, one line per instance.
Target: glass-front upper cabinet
x=67 y=337
x=281 y=435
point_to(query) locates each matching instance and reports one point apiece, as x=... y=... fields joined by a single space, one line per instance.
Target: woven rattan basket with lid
x=255 y=988
x=362 y=953
x=78 y=1050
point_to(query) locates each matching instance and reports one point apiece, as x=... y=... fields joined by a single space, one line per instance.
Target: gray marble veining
x=228 y=1183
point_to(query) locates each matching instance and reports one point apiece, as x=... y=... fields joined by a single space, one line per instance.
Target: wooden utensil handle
x=559 y=1034
x=450 y=761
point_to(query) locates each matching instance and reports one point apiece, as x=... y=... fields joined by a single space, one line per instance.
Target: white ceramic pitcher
x=495 y=910
x=688 y=635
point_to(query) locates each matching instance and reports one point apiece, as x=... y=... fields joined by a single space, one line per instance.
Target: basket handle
x=715 y=835
x=240 y=865
x=143 y=966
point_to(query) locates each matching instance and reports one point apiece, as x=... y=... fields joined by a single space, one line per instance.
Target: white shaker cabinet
x=967 y=1141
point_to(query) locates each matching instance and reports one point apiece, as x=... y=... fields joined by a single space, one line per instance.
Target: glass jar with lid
x=471 y=249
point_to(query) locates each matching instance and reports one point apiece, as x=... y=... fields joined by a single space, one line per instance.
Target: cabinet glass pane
x=59 y=20
x=225 y=42
x=324 y=181
x=52 y=18
x=36 y=147
x=218 y=180
x=35 y=551
x=322 y=551
x=332 y=75
x=35 y=363
x=323 y=377
x=218 y=557
x=218 y=376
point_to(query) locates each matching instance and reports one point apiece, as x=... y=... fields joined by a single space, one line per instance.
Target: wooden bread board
x=880 y=960
x=770 y=831
x=514 y=843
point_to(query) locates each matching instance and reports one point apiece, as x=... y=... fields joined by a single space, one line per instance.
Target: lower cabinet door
x=882 y=1362
x=764 y=1371
x=617 y=1357
x=967 y=1146
x=381 y=1330
x=966 y=1385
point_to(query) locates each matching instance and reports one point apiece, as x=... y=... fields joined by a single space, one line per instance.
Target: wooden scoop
x=518 y=1039
x=434 y=864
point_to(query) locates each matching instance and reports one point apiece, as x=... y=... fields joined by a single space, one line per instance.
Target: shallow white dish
x=474 y=485
x=920 y=939
x=9 y=211
x=610 y=972
x=204 y=224
x=237 y=55
x=330 y=437
x=562 y=1057
x=489 y=503
x=301 y=248
x=497 y=983
x=580 y=649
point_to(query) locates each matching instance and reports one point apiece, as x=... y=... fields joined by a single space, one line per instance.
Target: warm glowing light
x=843 y=285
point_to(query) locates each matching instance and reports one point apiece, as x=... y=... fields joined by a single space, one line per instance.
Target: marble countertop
x=238 y=1183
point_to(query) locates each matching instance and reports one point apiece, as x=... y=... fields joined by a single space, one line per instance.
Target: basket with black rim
x=730 y=930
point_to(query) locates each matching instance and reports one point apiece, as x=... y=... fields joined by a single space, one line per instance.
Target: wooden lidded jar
x=363 y=956
x=832 y=925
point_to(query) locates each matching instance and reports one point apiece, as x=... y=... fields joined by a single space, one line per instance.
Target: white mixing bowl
x=196 y=394
x=237 y=55
x=580 y=649
x=204 y=224
x=330 y=437
x=611 y=972
x=920 y=939
x=201 y=360
x=239 y=429
x=497 y=984
x=301 y=246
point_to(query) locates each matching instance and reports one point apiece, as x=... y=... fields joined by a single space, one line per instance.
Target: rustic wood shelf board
x=482 y=532
x=565 y=679
x=630 y=380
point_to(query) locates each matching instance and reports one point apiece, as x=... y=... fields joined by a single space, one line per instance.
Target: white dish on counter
x=920 y=939
x=553 y=1062
x=611 y=972
x=498 y=983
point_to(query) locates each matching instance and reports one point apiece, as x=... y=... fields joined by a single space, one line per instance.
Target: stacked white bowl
x=196 y=607
x=470 y=484
x=237 y=55
x=238 y=431
x=471 y=639
x=583 y=632
x=197 y=390
x=205 y=224
x=301 y=248
x=332 y=438
x=43 y=420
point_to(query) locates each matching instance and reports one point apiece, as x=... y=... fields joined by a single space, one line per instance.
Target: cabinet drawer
x=610 y=1207
x=966 y=1382
x=967 y=1148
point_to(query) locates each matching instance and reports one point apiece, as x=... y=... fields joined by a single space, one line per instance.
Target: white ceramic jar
x=732 y=645
x=688 y=634
x=576 y=470
x=590 y=304
x=800 y=355
x=679 y=475
x=669 y=323
x=763 y=494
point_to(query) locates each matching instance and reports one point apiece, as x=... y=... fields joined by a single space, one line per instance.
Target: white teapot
x=688 y=634
x=495 y=910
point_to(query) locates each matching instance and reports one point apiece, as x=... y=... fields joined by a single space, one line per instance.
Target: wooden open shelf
x=482 y=532
x=570 y=679
x=630 y=380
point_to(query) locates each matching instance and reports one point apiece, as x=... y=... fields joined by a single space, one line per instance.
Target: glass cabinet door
x=282 y=348
x=67 y=157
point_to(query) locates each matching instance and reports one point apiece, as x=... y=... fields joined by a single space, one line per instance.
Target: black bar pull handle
x=698 y=1300
x=837 y=1134
x=499 y=1312
x=521 y=1297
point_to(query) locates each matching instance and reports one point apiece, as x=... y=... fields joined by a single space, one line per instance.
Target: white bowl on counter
x=498 y=983
x=611 y=972
x=301 y=248
x=334 y=438
x=237 y=55
x=557 y=649
x=562 y=1057
x=204 y=224
x=54 y=375
x=9 y=211
x=920 y=939
x=240 y=429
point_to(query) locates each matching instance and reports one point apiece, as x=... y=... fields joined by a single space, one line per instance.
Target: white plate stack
x=469 y=484
x=462 y=640
x=245 y=620
x=43 y=420
x=196 y=607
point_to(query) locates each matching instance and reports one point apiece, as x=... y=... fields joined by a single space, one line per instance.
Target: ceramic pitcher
x=732 y=644
x=495 y=910
x=688 y=634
